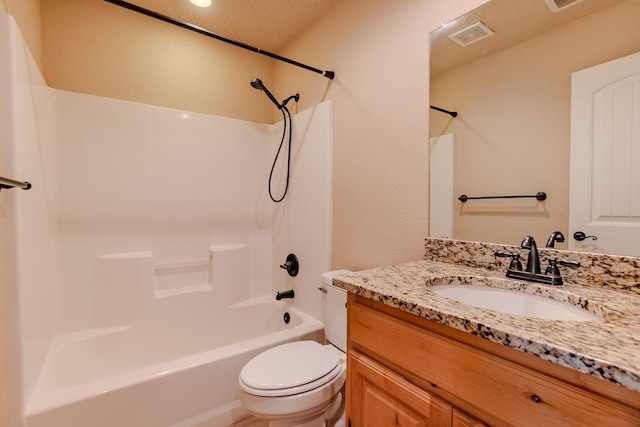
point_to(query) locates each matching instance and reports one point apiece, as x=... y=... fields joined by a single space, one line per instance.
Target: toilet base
x=333 y=415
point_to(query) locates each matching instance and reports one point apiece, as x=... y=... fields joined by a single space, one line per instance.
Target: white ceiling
x=511 y=24
x=264 y=24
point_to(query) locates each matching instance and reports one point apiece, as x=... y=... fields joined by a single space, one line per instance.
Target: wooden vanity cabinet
x=380 y=397
x=405 y=370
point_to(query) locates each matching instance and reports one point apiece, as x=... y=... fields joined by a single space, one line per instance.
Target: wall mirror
x=512 y=93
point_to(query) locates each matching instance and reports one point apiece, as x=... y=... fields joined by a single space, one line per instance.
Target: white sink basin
x=513 y=302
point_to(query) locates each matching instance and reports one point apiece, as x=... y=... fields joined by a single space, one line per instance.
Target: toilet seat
x=290 y=369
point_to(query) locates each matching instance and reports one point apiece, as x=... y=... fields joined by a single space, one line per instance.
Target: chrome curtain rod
x=11 y=183
x=540 y=196
x=188 y=26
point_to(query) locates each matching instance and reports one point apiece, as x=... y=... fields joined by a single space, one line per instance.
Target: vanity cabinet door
x=499 y=387
x=380 y=397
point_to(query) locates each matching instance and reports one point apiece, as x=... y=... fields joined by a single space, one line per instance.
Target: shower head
x=257 y=84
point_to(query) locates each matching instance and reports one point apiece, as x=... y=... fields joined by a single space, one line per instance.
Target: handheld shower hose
x=257 y=84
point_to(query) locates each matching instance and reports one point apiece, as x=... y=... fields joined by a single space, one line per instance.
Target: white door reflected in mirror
x=605 y=151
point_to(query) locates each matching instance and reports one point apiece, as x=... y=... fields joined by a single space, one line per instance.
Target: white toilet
x=302 y=383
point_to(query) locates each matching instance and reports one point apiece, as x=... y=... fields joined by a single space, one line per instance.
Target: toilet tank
x=334 y=310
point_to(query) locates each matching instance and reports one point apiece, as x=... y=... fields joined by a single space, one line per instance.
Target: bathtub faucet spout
x=285 y=294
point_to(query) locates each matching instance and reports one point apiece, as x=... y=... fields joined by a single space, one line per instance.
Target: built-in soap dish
x=176 y=277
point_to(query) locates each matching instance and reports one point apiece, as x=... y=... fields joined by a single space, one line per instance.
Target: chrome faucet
x=533 y=263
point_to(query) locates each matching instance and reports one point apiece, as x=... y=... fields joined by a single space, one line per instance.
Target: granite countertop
x=608 y=347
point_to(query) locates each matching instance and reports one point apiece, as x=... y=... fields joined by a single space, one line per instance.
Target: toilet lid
x=290 y=366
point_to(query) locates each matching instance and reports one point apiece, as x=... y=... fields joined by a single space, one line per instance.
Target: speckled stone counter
x=609 y=287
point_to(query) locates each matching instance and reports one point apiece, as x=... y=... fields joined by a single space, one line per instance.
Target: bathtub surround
x=146 y=224
x=27 y=237
x=607 y=348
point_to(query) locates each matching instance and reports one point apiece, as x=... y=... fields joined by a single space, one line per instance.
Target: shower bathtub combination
x=140 y=281
x=173 y=340
x=154 y=375
x=169 y=341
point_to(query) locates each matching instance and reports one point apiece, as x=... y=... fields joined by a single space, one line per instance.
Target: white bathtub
x=153 y=376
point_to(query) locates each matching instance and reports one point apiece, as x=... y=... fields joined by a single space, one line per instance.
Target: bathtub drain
x=287 y=318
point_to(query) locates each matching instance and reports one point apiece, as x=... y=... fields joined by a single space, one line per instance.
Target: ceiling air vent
x=471 y=34
x=558 y=5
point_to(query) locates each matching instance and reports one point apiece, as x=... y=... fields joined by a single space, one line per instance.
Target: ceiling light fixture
x=201 y=3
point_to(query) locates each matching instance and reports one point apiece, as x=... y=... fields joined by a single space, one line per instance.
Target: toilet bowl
x=302 y=383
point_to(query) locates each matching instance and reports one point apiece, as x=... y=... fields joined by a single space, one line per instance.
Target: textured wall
x=380 y=53
x=513 y=133
x=101 y=49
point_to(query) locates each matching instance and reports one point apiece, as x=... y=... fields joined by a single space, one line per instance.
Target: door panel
x=605 y=157
x=379 y=397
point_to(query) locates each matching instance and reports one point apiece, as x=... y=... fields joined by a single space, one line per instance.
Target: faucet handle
x=291 y=265
x=569 y=263
x=552 y=269
x=515 y=264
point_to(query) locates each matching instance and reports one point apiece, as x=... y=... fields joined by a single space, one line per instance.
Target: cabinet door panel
x=378 y=396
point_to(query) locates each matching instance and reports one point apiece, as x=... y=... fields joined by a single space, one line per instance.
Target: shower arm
x=328 y=74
